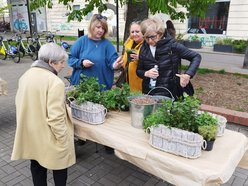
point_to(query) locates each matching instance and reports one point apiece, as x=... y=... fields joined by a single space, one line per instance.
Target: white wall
x=237 y=26
x=57 y=19
x=237 y=21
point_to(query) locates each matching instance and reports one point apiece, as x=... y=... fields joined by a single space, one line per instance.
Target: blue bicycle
x=9 y=51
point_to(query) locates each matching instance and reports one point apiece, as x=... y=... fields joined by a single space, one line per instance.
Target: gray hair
x=53 y=52
x=151 y=25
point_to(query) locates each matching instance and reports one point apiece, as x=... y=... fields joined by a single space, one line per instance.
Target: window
x=76 y=7
x=215 y=21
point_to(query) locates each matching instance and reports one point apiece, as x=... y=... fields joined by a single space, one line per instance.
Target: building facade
x=226 y=18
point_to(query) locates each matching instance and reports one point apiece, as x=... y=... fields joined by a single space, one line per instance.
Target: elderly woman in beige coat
x=44 y=132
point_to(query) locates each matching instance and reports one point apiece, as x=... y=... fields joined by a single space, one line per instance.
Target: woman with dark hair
x=170 y=28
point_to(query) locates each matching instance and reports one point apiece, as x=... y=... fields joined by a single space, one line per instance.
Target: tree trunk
x=136 y=11
x=245 y=65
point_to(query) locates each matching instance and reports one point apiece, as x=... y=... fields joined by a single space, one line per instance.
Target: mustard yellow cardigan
x=135 y=82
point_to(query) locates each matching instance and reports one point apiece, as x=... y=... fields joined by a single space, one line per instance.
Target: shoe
x=109 y=150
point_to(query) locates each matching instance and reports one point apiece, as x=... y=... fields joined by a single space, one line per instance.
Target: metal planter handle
x=172 y=97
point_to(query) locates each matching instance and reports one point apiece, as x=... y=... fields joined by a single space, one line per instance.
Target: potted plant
x=223 y=45
x=240 y=46
x=173 y=127
x=130 y=51
x=179 y=38
x=193 y=42
x=207 y=128
x=91 y=102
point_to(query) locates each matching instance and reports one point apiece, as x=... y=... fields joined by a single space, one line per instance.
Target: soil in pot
x=146 y=100
x=140 y=107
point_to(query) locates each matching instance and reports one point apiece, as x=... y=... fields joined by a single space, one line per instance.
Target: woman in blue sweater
x=94 y=55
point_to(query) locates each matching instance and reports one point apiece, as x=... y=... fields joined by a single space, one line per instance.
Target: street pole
x=29 y=19
x=117 y=25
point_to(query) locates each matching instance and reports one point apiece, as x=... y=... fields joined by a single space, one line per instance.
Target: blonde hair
x=152 y=25
x=94 y=21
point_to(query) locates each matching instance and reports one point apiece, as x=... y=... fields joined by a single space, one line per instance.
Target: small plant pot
x=208 y=145
x=193 y=44
x=223 y=48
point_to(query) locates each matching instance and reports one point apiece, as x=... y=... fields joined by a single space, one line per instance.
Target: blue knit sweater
x=102 y=53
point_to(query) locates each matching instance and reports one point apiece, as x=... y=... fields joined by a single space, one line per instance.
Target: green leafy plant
x=208 y=132
x=180 y=36
x=195 y=38
x=224 y=41
x=207 y=125
x=240 y=45
x=180 y=114
x=116 y=98
x=130 y=51
x=90 y=90
x=87 y=90
x=160 y=116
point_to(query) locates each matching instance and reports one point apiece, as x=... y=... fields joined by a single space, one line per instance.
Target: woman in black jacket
x=162 y=50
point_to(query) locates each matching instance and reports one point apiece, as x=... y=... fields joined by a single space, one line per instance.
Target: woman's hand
x=118 y=63
x=134 y=56
x=152 y=73
x=87 y=63
x=184 y=79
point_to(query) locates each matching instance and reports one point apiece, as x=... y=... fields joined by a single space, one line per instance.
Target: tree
x=3 y=10
x=245 y=64
x=136 y=8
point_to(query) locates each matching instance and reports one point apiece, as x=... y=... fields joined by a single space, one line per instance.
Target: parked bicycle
x=9 y=51
x=36 y=41
x=27 y=49
x=50 y=37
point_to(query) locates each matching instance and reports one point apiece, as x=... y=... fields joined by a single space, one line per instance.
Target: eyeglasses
x=152 y=37
x=99 y=17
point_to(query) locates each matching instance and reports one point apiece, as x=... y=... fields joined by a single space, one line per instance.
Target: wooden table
x=131 y=144
x=3 y=87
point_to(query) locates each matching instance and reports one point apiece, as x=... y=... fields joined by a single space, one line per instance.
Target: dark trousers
x=39 y=175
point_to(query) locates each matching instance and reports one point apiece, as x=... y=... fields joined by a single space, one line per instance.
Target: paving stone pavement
x=95 y=169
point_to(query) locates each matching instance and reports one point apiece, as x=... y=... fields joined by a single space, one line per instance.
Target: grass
x=203 y=71
x=74 y=38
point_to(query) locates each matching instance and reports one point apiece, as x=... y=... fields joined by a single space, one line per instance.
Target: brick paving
x=92 y=168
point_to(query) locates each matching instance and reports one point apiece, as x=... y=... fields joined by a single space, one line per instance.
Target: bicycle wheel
x=3 y=54
x=16 y=57
x=21 y=51
x=32 y=52
x=34 y=55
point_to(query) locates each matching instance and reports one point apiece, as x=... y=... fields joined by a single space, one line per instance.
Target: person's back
x=44 y=132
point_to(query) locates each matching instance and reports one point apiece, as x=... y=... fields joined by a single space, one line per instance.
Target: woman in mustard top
x=134 y=43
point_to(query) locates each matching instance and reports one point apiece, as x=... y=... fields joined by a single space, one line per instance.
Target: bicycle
x=50 y=37
x=64 y=44
x=29 y=49
x=9 y=51
x=36 y=41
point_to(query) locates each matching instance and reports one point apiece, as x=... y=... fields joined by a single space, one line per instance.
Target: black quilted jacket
x=168 y=57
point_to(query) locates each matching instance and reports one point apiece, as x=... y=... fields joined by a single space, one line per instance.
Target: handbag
x=177 y=89
x=122 y=78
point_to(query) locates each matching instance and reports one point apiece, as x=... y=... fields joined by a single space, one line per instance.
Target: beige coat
x=44 y=130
